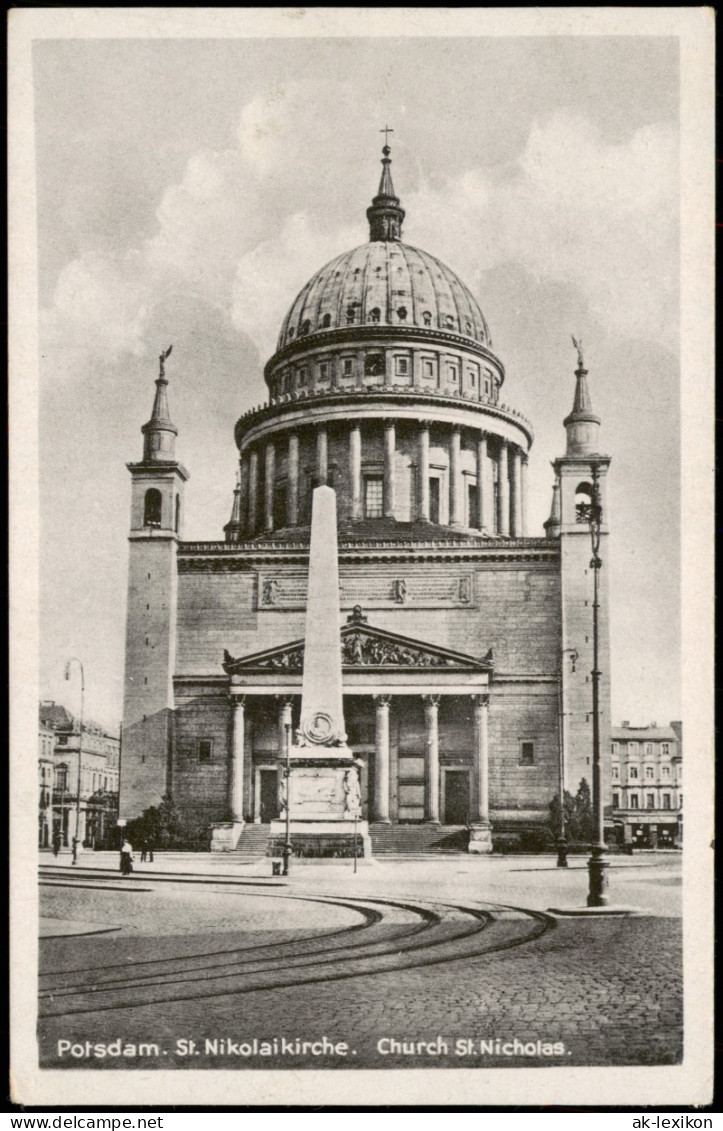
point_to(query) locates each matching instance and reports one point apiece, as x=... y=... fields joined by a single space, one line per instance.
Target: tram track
x=429 y=933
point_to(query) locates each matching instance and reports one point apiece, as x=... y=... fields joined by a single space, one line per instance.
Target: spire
x=385 y=215
x=159 y=434
x=232 y=529
x=582 y=424
x=552 y=526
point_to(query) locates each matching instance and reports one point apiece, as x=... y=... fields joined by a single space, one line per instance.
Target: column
x=322 y=457
x=292 y=481
x=423 y=471
x=389 y=452
x=480 y=839
x=236 y=776
x=269 y=478
x=515 y=458
x=355 y=475
x=286 y=703
x=523 y=497
x=456 y=508
x=243 y=485
x=253 y=507
x=481 y=479
x=431 y=776
x=381 y=760
x=503 y=492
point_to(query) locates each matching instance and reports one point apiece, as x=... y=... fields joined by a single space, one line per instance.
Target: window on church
x=428 y=367
x=302 y=376
x=205 y=749
x=279 y=507
x=454 y=374
x=374 y=496
x=402 y=366
x=583 y=502
x=326 y=321
x=434 y=499
x=374 y=314
x=373 y=364
x=402 y=313
x=152 y=507
x=527 y=753
x=348 y=366
x=305 y=327
x=349 y=315
x=471 y=504
x=427 y=318
x=324 y=370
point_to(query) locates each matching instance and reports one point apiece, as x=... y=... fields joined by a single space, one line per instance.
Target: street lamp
x=562 y=838
x=597 y=865
x=76 y=838
x=287 y=777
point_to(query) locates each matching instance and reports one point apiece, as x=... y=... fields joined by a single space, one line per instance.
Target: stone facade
x=458 y=629
x=647 y=784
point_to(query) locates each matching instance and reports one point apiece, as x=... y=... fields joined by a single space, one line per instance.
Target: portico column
x=355 y=470
x=455 y=478
x=253 y=507
x=269 y=478
x=292 y=478
x=423 y=472
x=286 y=703
x=515 y=457
x=481 y=478
x=431 y=777
x=389 y=452
x=480 y=839
x=381 y=759
x=322 y=457
x=503 y=492
x=236 y=777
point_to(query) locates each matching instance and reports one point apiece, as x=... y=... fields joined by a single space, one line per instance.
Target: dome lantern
x=385 y=214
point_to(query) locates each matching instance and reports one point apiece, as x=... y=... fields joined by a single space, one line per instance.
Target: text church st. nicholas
x=384 y=386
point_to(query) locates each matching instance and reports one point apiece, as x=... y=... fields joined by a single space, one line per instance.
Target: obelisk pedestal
x=322 y=790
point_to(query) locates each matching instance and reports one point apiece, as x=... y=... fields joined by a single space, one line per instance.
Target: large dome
x=385 y=282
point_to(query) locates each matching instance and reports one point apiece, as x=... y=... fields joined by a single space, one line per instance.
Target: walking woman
x=126 y=858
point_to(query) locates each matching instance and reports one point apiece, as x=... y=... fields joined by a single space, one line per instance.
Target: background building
x=61 y=745
x=384 y=385
x=647 y=784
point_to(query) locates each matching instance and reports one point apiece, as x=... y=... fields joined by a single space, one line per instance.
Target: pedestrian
x=126 y=858
x=56 y=842
x=149 y=844
x=74 y=849
x=144 y=849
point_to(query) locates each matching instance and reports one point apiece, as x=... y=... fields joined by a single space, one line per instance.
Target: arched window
x=305 y=327
x=427 y=318
x=349 y=315
x=177 y=524
x=152 y=507
x=402 y=313
x=583 y=501
x=374 y=314
x=449 y=322
x=326 y=321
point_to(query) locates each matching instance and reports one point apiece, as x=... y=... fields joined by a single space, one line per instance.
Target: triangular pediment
x=362 y=647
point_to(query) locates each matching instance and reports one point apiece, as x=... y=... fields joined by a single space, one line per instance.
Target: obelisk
x=323 y=789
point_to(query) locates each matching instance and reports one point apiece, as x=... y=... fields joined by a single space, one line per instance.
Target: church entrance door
x=269 y=808
x=456 y=797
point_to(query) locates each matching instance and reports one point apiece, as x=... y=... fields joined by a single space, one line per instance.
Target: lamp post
x=287 y=778
x=562 y=838
x=76 y=837
x=597 y=865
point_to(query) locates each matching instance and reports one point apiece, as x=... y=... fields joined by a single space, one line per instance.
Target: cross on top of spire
x=386 y=131
x=385 y=215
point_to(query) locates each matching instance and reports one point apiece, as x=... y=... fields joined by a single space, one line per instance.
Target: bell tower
x=580 y=485
x=157 y=484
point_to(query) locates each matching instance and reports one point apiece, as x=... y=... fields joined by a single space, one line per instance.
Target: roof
x=56 y=717
x=643 y=734
x=385 y=282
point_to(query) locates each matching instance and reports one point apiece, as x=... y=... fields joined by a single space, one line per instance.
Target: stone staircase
x=418 y=840
x=392 y=840
x=252 y=841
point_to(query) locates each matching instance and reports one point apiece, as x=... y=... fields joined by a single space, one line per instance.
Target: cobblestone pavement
x=435 y=978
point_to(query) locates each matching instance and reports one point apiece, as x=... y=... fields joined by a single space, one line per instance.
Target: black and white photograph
x=361 y=526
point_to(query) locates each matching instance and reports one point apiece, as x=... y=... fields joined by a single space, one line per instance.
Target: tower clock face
x=374 y=365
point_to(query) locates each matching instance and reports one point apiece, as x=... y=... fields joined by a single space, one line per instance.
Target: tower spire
x=385 y=215
x=582 y=424
x=159 y=434
x=232 y=529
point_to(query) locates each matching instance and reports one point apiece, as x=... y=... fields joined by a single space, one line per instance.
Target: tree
x=578 y=815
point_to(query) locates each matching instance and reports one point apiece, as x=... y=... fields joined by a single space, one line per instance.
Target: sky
x=186 y=191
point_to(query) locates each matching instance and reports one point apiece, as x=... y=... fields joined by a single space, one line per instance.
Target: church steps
x=395 y=840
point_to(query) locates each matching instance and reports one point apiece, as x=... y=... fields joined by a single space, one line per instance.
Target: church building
x=466 y=642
